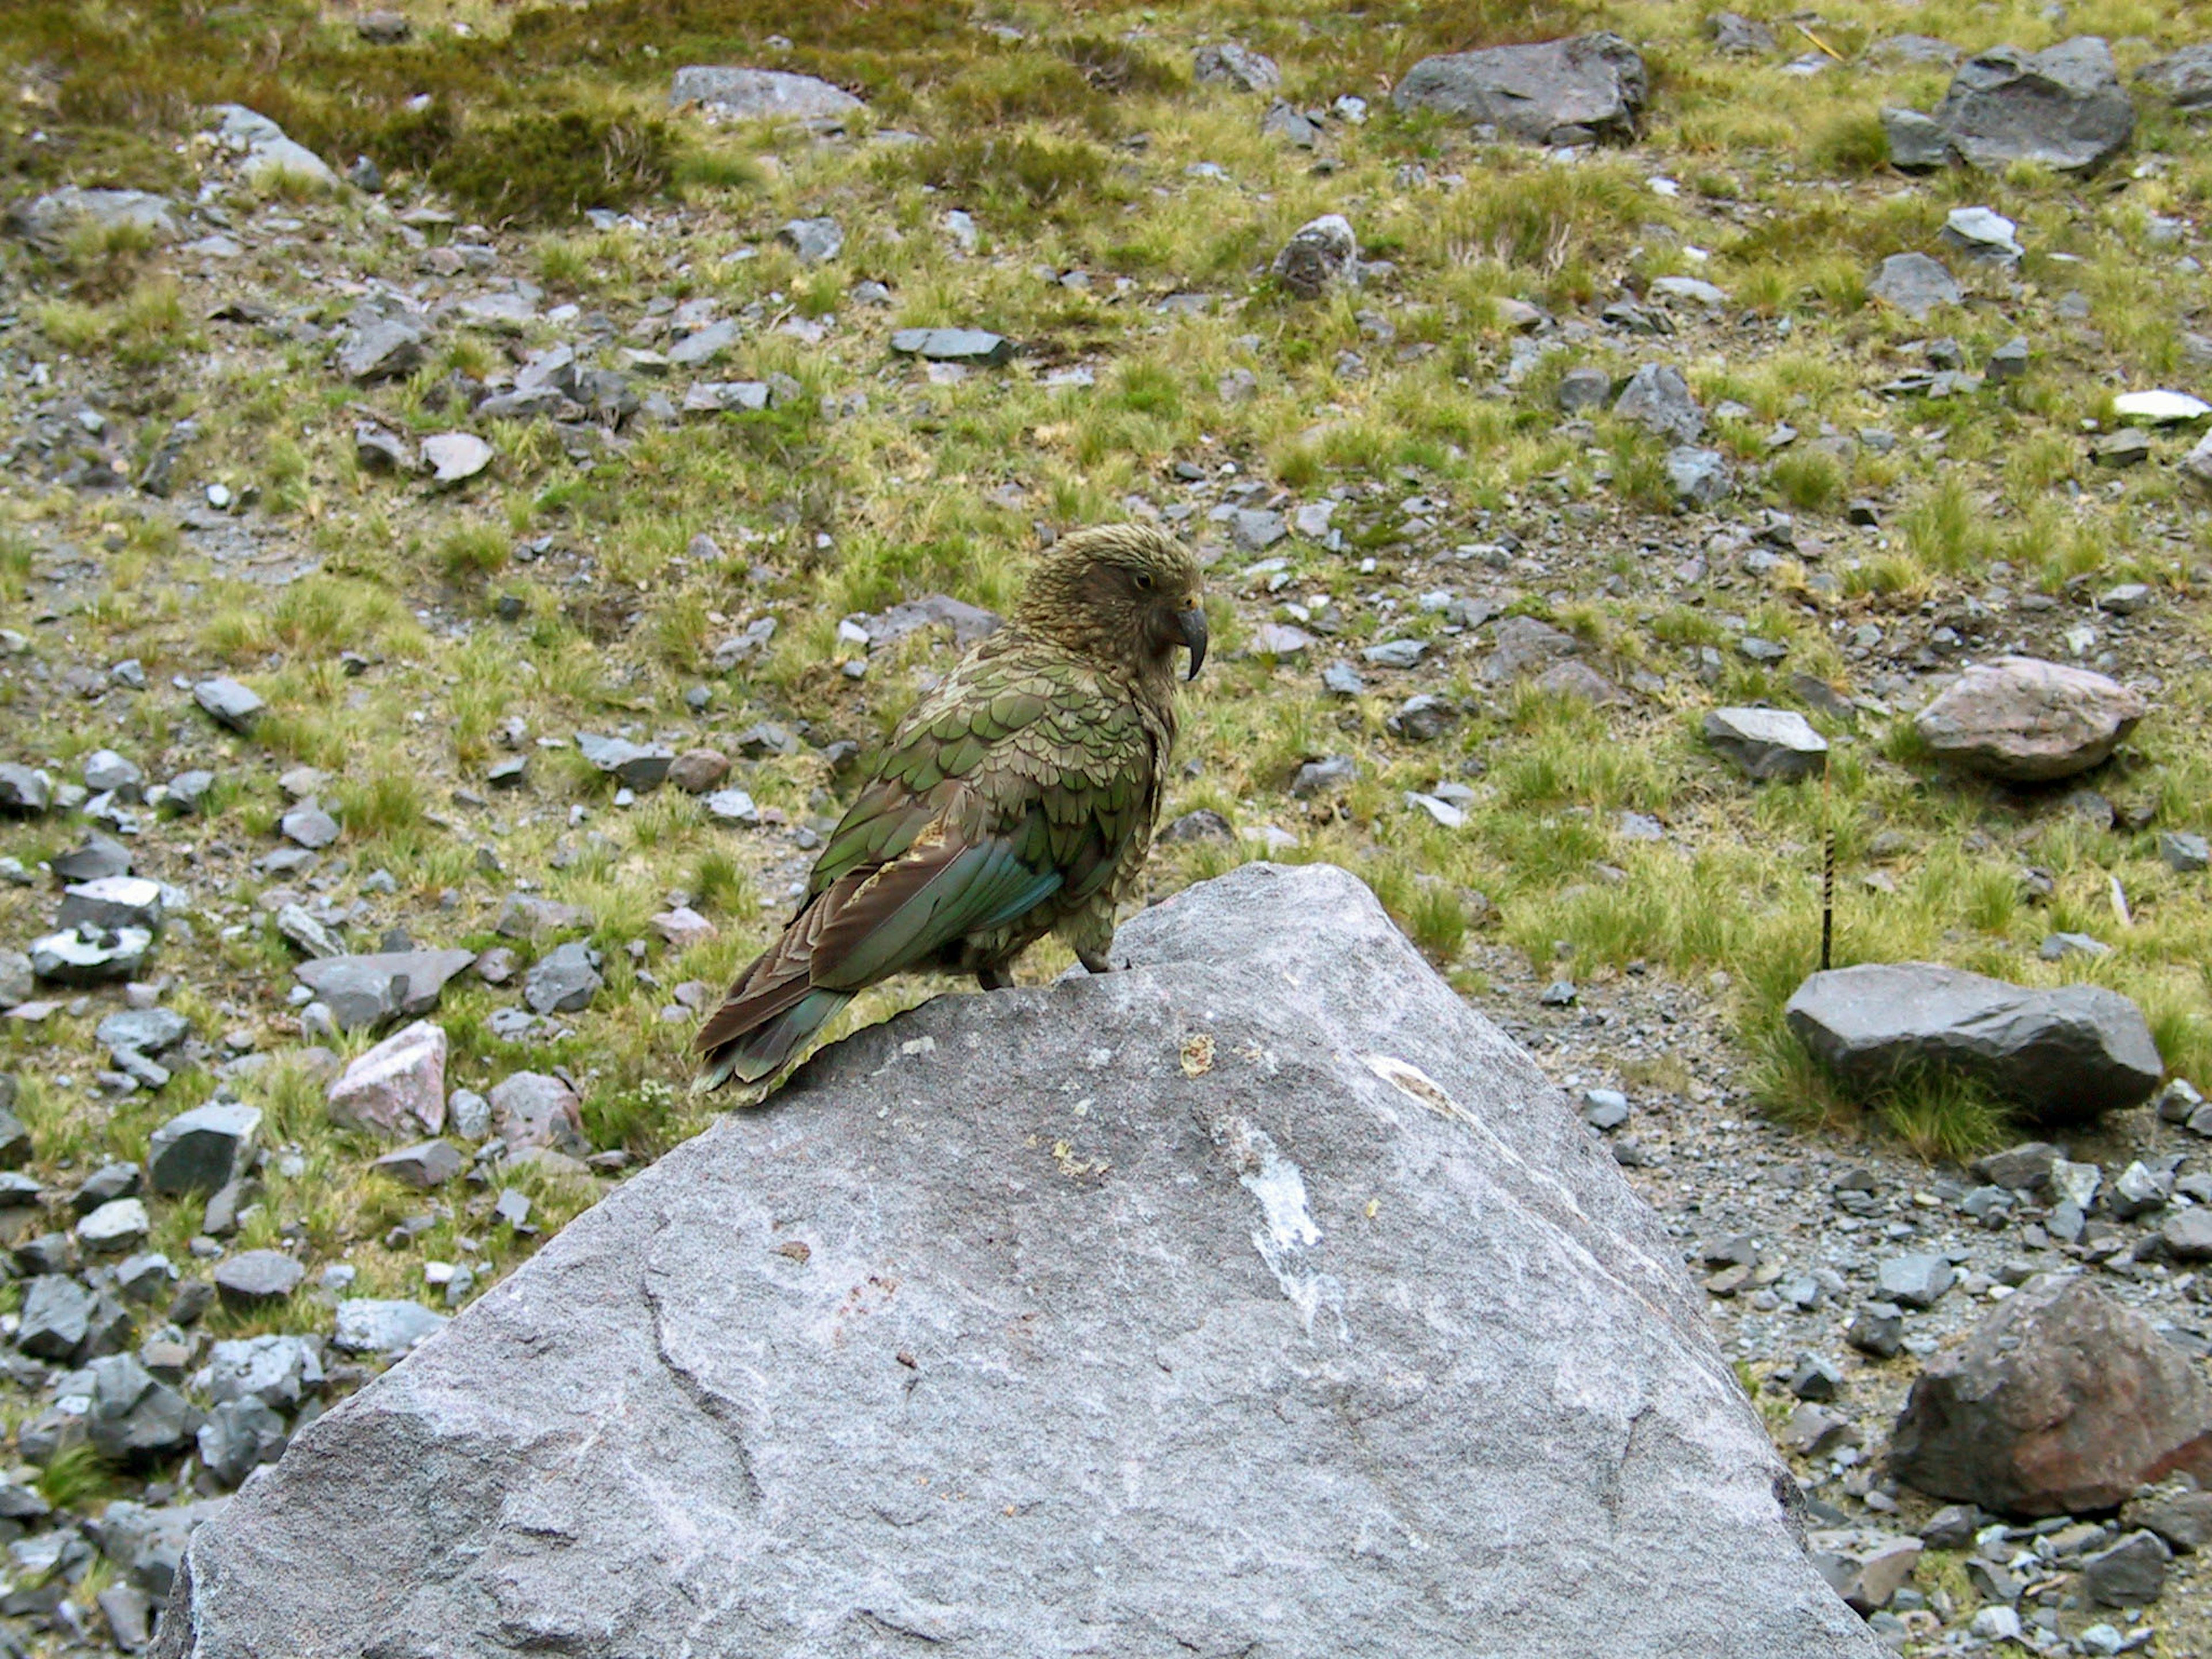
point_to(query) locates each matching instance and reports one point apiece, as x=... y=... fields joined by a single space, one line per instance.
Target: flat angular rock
x=253 y=1279
x=454 y=458
x=814 y=241
x=432 y=1164
x=1981 y=232
x=1549 y=92
x=1698 y=479
x=1863 y=1564
x=702 y=1322
x=398 y=1088
x=148 y=1545
x=279 y=1372
x=2060 y=1402
x=228 y=703
x=564 y=980
x=2177 y=1510
x=1229 y=64
x=1914 y=285
x=530 y=1109
x=368 y=1325
x=381 y=349
x=1914 y=1280
x=1916 y=142
x=90 y=955
x=271 y=153
x=2065 y=1055
x=2064 y=108
x=1767 y=743
x=24 y=790
x=238 y=1438
x=748 y=94
x=112 y=903
x=639 y=766
x=97 y=858
x=363 y=991
x=48 y=220
x=966 y=622
x=204 y=1150
x=954 y=345
x=57 y=1313
x=1657 y=398
x=2185 y=80
x=2026 y=720
x=1321 y=253
x=116 y=1228
x=726 y=398
x=133 y=1416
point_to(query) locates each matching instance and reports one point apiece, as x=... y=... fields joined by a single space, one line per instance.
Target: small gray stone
x=23 y=790
x=1698 y=479
x=238 y=1438
x=1229 y=64
x=1767 y=743
x=1320 y=254
x=1323 y=777
x=116 y=1226
x=429 y=1165
x=57 y=1314
x=254 y=1279
x=455 y=457
x=99 y=858
x=2130 y=1573
x=202 y=1149
x=371 y=1327
x=1913 y=283
x=133 y=1415
x=1916 y=1280
x=814 y=241
x=1584 y=388
x=641 y=768
x=279 y=1370
x=1657 y=398
x=111 y=903
x=564 y=980
x=228 y=703
x=2185 y=852
x=90 y=956
x=531 y=1109
x=973 y=346
x=307 y=825
x=736 y=93
x=381 y=349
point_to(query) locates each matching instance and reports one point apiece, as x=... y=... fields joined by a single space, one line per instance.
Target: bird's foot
x=993 y=979
x=1094 y=962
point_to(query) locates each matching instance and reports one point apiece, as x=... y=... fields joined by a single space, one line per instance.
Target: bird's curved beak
x=1192 y=625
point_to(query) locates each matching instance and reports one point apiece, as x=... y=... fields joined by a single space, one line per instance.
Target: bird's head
x=1122 y=594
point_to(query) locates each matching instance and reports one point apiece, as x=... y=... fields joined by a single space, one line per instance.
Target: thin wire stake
x=1828 y=865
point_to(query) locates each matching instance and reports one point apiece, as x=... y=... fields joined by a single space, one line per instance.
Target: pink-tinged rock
x=397 y=1089
x=530 y=1109
x=2029 y=721
x=683 y=927
x=2061 y=1401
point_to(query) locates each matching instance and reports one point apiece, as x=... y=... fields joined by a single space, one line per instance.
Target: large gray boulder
x=1262 y=1296
x=2025 y=720
x=2064 y=108
x=750 y=94
x=2065 y=1055
x=1591 y=85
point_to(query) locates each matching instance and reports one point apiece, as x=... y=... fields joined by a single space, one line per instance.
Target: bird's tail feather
x=753 y=1049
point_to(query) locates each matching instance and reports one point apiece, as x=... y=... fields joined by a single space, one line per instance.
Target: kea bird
x=1016 y=800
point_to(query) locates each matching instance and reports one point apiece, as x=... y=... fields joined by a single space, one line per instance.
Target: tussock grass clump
x=1015 y=176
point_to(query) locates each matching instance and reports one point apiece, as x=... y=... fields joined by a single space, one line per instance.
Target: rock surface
x=2065 y=1055
x=1251 y=1301
x=752 y=93
x=1545 y=93
x=2064 y=108
x=2029 y=721
x=2060 y=1401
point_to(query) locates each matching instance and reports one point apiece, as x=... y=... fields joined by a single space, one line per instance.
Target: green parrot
x=1016 y=799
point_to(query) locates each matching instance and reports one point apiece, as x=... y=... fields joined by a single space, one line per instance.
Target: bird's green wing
x=1011 y=783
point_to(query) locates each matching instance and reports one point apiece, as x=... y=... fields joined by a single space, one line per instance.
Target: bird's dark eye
x=1145 y=584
